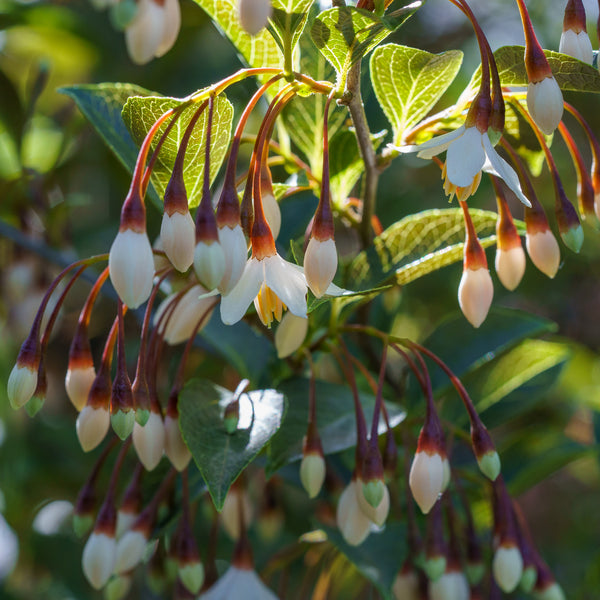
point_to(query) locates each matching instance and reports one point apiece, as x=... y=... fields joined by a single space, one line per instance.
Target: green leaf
x=140 y=114
x=101 y=104
x=259 y=50
x=12 y=113
x=335 y=418
x=408 y=82
x=345 y=34
x=571 y=74
x=288 y=20
x=379 y=557
x=220 y=456
x=502 y=330
x=417 y=245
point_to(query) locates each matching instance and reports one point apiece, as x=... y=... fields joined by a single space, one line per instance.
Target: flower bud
x=192 y=576
x=98 y=559
x=78 y=383
x=574 y=40
x=551 y=592
x=131 y=265
x=175 y=449
x=426 y=478
x=475 y=294
x=172 y=24
x=406 y=585
x=544 y=252
x=312 y=473
x=475 y=572
x=130 y=550
x=354 y=525
x=320 y=265
x=290 y=334
x=528 y=579
x=118 y=587
x=189 y=309
x=452 y=585
x=230 y=515
x=235 y=249
x=209 y=263
x=507 y=567
x=545 y=104
x=435 y=566
x=254 y=15
x=510 y=266
x=373 y=499
x=270 y=204
x=149 y=441
x=178 y=235
x=22 y=383
x=82 y=523
x=92 y=426
x=489 y=464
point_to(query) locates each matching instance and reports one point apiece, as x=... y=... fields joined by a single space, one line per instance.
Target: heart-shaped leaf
x=221 y=456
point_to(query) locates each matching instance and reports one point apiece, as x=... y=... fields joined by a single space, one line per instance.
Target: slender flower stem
x=112 y=485
x=379 y=397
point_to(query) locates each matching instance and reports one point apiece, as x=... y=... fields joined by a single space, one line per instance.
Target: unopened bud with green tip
x=475 y=572
x=34 y=406
x=141 y=398
x=36 y=402
x=122 y=423
x=569 y=225
x=82 y=523
x=312 y=467
x=483 y=448
x=528 y=579
x=118 y=587
x=434 y=567
x=192 y=576
x=489 y=464
x=552 y=592
x=231 y=417
x=373 y=494
x=23 y=378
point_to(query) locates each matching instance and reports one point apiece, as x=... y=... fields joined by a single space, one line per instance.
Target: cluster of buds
x=470 y=150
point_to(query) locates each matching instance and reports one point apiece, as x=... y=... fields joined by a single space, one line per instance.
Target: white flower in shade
x=125 y=519
x=230 y=515
x=376 y=514
x=468 y=152
x=320 y=265
x=131 y=266
x=551 y=592
x=92 y=426
x=178 y=238
x=192 y=306
x=22 y=382
x=353 y=524
x=475 y=294
x=271 y=282
x=452 y=585
x=545 y=104
x=544 y=251
x=209 y=263
x=406 y=586
x=98 y=559
x=577 y=45
x=153 y=30
x=175 y=449
x=149 y=441
x=290 y=334
x=426 y=479
x=235 y=248
x=130 y=551
x=239 y=583
x=78 y=383
x=272 y=212
x=507 y=567
x=510 y=266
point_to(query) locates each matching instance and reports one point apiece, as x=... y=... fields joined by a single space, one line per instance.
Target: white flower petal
x=435 y=145
x=503 y=170
x=288 y=283
x=465 y=157
x=235 y=304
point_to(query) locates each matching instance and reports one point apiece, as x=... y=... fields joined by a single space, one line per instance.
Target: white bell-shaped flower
x=544 y=251
x=545 y=104
x=577 y=44
x=92 y=426
x=98 y=559
x=239 y=583
x=149 y=441
x=235 y=248
x=426 y=479
x=178 y=236
x=475 y=294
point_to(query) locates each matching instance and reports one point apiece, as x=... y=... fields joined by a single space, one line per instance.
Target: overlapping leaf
x=288 y=20
x=408 y=82
x=140 y=114
x=417 y=245
x=259 y=50
x=344 y=35
x=221 y=456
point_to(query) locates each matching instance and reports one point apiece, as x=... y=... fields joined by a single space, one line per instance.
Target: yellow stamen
x=268 y=306
x=462 y=193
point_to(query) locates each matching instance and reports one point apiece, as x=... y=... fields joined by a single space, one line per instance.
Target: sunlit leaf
x=221 y=456
x=408 y=82
x=288 y=20
x=335 y=418
x=140 y=114
x=346 y=34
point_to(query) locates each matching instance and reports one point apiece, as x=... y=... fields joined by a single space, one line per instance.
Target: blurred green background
x=61 y=189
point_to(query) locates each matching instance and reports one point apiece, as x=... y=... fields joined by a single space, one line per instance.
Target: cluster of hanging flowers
x=226 y=255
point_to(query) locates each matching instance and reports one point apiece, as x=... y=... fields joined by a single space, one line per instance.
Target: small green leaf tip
x=122 y=423
x=528 y=579
x=82 y=524
x=142 y=416
x=373 y=492
x=475 y=572
x=192 y=576
x=231 y=423
x=34 y=405
x=435 y=567
x=573 y=238
x=489 y=464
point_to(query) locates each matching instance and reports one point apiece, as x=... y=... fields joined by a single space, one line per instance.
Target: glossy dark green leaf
x=335 y=418
x=220 y=456
x=12 y=115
